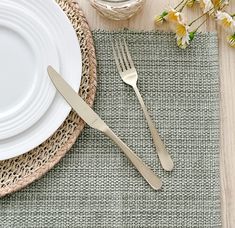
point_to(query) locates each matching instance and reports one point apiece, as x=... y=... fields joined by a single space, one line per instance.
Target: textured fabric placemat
x=95 y=185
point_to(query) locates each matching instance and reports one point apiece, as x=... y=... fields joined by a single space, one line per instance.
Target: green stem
x=233 y=15
x=201 y=16
x=223 y=7
x=201 y=24
x=179 y=4
x=180 y=10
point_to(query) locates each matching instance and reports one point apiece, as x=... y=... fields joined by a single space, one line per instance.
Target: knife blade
x=94 y=121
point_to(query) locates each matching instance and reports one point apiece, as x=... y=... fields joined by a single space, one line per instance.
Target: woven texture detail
x=118 y=10
x=19 y=172
x=96 y=186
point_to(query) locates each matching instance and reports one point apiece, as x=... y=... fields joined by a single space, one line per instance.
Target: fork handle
x=163 y=154
x=153 y=180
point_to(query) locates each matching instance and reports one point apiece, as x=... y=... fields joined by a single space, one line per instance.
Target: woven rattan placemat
x=18 y=172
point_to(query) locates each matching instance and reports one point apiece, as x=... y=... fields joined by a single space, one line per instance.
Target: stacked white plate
x=33 y=35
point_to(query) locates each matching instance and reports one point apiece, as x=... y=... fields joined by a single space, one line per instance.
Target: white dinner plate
x=25 y=50
x=33 y=35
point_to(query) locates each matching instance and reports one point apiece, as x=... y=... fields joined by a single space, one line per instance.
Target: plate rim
x=35 y=39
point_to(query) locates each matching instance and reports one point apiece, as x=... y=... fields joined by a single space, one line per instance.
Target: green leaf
x=192 y=35
x=164 y=13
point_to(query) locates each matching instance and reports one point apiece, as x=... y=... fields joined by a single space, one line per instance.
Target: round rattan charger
x=19 y=172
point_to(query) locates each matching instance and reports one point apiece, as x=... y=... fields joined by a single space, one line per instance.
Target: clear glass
x=117 y=9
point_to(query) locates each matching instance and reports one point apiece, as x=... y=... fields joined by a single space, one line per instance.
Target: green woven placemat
x=95 y=186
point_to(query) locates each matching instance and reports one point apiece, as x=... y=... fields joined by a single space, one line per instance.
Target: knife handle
x=153 y=180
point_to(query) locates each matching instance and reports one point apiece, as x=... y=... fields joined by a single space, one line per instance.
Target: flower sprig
x=186 y=32
x=231 y=40
x=227 y=22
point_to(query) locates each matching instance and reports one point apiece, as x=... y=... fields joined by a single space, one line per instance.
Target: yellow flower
x=218 y=4
x=226 y=21
x=180 y=43
x=182 y=35
x=159 y=19
x=174 y=16
x=231 y=40
x=206 y=5
x=181 y=30
x=190 y=3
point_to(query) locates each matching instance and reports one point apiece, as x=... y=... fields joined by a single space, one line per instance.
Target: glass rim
x=116 y=1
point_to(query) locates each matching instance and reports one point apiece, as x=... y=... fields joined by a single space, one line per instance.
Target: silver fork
x=129 y=75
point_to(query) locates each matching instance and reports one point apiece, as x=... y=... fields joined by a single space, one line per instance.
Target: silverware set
x=129 y=75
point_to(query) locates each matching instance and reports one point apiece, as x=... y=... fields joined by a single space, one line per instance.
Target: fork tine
x=116 y=59
x=120 y=57
x=128 y=54
x=127 y=64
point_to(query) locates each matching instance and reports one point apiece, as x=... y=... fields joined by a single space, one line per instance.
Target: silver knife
x=94 y=121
